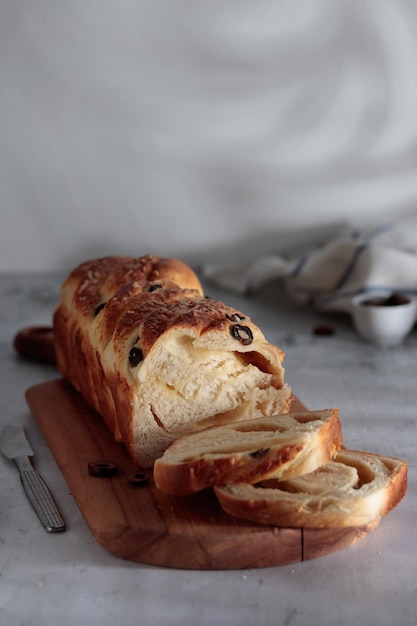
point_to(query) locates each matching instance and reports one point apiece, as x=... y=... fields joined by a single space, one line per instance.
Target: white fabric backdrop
x=194 y=128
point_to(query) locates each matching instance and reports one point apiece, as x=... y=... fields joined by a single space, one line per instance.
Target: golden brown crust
x=96 y=280
x=203 y=316
x=134 y=302
x=187 y=478
x=176 y=308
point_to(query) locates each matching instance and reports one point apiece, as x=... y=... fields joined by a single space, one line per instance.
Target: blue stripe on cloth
x=299 y=266
x=358 y=251
x=360 y=248
x=350 y=266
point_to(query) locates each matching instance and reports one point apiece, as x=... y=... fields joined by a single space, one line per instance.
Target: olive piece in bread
x=103 y=469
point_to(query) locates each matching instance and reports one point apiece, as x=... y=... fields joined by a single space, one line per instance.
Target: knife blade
x=15 y=446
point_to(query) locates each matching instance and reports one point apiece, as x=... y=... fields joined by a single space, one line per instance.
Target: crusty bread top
x=353 y=490
x=132 y=304
x=249 y=451
x=210 y=323
x=93 y=282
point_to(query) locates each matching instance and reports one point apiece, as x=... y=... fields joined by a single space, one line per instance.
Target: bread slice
x=280 y=446
x=156 y=358
x=353 y=490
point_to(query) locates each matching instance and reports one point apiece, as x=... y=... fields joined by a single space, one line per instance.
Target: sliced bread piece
x=353 y=490
x=249 y=451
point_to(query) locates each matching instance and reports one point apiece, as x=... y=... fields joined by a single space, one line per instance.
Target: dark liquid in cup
x=395 y=299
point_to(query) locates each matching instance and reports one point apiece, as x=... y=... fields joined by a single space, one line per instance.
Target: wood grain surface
x=140 y=523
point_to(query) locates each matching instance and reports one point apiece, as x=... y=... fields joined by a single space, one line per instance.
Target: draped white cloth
x=382 y=260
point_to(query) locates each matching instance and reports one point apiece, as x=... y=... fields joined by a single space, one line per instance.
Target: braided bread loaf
x=158 y=360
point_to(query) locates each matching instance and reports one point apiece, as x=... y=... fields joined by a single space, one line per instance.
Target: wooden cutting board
x=141 y=523
x=144 y=525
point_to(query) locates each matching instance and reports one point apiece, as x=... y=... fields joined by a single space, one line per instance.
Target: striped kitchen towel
x=381 y=260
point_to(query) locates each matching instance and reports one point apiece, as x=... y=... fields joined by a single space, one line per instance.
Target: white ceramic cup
x=380 y=324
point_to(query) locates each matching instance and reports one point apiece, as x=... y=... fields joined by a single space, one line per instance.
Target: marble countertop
x=69 y=578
